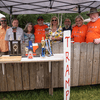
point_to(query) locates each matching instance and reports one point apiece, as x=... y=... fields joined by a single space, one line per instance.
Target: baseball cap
x=40 y=18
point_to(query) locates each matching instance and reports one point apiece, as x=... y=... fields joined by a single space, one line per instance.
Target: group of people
x=87 y=33
x=79 y=31
x=30 y=32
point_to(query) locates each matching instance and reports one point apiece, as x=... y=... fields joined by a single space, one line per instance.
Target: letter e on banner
x=67 y=58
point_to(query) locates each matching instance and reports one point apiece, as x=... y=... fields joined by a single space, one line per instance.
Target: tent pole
x=61 y=20
x=50 y=4
x=79 y=11
x=10 y=15
x=58 y=16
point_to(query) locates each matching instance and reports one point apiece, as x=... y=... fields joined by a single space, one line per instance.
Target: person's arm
x=46 y=30
x=7 y=36
x=72 y=39
x=85 y=32
x=97 y=41
x=56 y=39
x=23 y=40
x=72 y=36
x=22 y=37
x=73 y=26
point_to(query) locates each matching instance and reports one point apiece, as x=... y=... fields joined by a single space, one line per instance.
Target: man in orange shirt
x=93 y=31
x=3 y=44
x=39 y=30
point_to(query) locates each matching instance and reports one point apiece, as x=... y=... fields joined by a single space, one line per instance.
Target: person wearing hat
x=93 y=31
x=3 y=28
x=39 y=30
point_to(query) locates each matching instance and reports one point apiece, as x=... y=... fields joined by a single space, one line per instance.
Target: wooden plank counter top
x=18 y=59
x=55 y=57
x=5 y=59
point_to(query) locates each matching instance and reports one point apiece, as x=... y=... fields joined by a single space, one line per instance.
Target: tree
x=25 y=18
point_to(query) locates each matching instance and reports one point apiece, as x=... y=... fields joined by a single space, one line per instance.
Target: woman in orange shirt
x=79 y=31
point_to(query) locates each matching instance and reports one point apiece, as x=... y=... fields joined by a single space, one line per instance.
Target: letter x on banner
x=67 y=59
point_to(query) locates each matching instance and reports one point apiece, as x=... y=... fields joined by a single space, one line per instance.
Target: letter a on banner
x=67 y=58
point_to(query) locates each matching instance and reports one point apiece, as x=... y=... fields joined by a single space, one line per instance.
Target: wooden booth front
x=85 y=70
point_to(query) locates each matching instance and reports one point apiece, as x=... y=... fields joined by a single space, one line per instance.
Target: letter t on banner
x=67 y=59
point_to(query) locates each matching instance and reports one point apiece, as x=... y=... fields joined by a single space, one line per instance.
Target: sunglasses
x=54 y=20
x=3 y=20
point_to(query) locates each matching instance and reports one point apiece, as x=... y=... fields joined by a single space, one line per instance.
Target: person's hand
x=14 y=30
x=73 y=25
x=46 y=32
x=53 y=38
x=96 y=41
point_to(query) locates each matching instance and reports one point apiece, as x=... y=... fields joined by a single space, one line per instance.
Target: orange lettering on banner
x=67 y=55
x=67 y=82
x=67 y=70
x=67 y=40
x=67 y=92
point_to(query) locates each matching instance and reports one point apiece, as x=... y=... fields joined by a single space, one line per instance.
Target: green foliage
x=85 y=93
x=24 y=19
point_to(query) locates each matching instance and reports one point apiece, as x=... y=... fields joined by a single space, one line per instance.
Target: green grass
x=77 y=93
x=85 y=93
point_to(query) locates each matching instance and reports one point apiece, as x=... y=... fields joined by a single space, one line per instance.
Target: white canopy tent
x=1 y=15
x=15 y=7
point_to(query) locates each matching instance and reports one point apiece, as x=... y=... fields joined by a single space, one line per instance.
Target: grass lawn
x=77 y=93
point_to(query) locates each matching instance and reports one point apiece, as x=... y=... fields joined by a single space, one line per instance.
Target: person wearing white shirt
x=14 y=29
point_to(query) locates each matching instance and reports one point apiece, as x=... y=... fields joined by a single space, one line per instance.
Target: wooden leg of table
x=50 y=79
x=3 y=68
